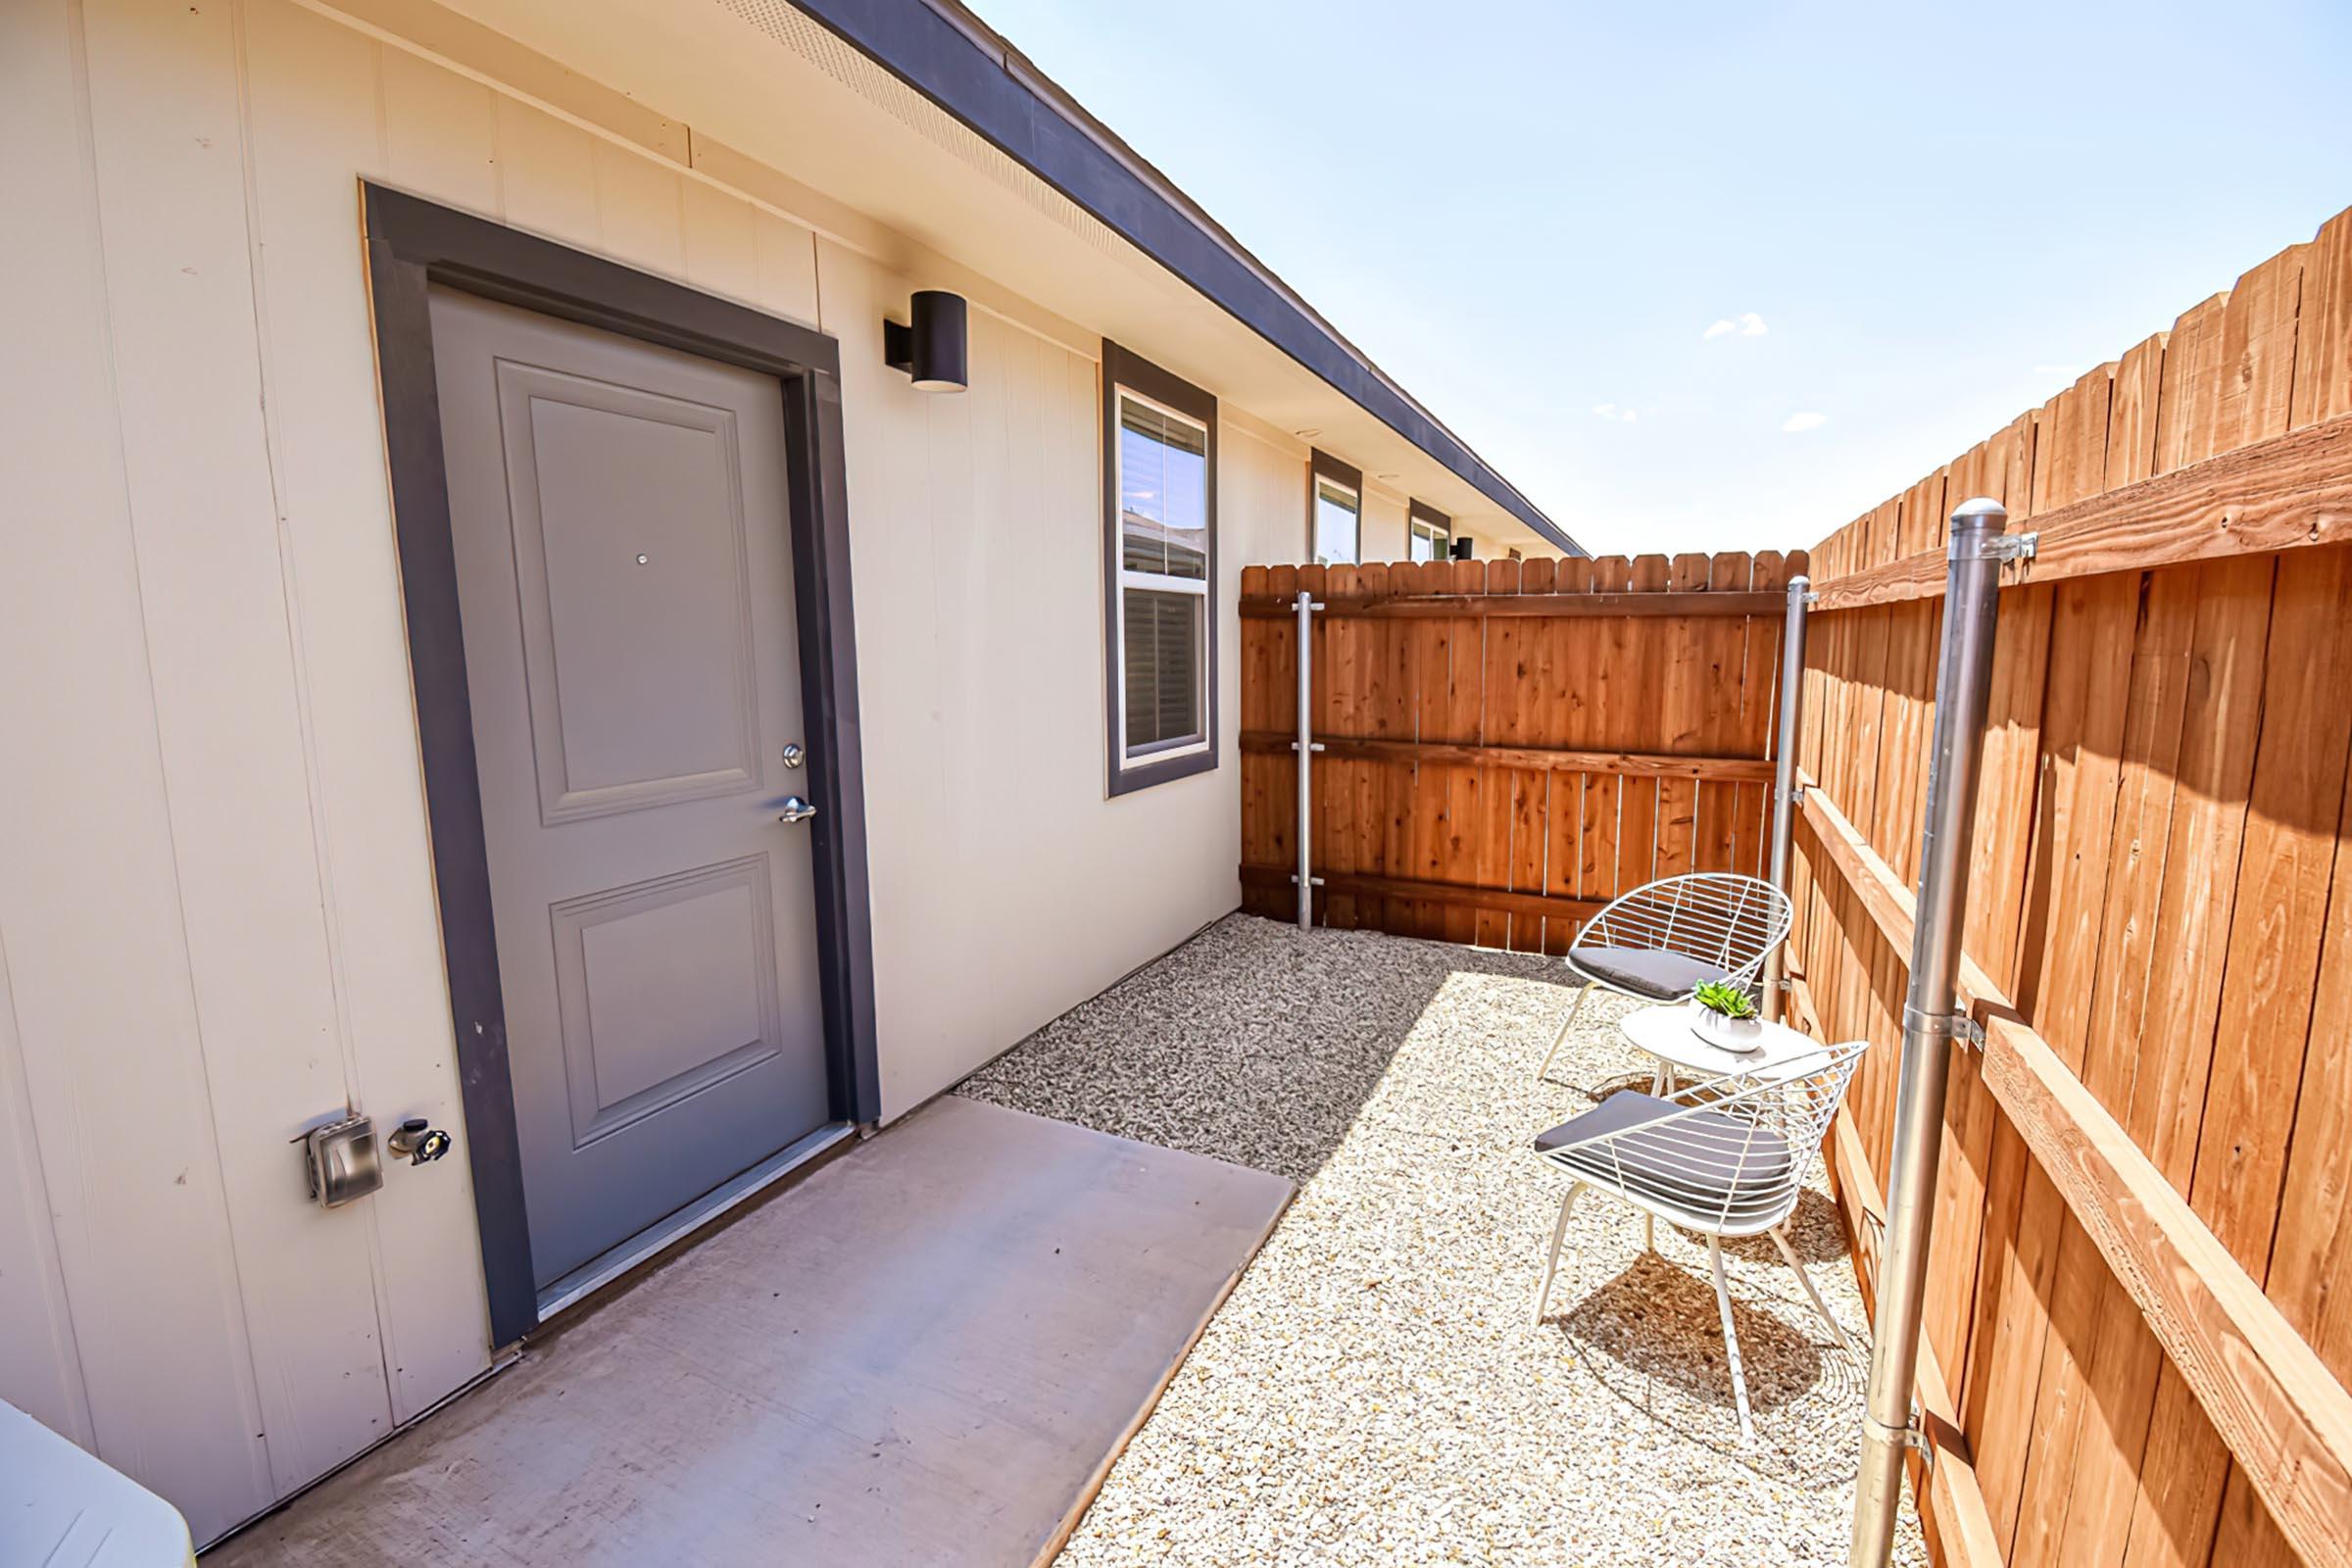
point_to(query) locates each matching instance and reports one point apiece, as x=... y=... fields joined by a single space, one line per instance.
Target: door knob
x=796 y=810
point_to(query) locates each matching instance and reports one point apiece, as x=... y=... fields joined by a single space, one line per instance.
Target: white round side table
x=1668 y=1034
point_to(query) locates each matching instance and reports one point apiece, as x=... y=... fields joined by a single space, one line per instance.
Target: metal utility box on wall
x=342 y=1160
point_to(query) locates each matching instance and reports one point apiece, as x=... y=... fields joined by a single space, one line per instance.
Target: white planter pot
x=1731 y=1033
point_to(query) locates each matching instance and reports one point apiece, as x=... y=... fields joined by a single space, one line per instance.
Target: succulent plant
x=1730 y=1000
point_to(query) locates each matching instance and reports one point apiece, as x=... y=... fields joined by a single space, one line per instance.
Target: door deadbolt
x=794 y=755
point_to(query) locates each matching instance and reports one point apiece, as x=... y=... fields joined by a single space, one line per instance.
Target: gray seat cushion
x=1702 y=1163
x=1646 y=971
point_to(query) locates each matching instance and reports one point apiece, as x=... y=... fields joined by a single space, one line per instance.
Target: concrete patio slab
x=928 y=1352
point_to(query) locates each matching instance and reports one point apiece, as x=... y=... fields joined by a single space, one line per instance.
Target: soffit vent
x=845 y=64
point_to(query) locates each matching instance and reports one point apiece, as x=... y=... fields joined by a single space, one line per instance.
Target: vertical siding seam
x=817 y=283
x=263 y=1471
x=85 y=153
x=382 y=105
x=497 y=169
x=297 y=643
x=66 y=1342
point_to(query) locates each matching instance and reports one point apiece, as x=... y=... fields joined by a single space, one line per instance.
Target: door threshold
x=607 y=1266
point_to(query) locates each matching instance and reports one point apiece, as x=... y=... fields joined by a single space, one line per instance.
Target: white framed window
x=1432 y=537
x=1160 y=469
x=1335 y=512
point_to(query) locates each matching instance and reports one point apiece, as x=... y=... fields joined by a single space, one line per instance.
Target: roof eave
x=955 y=61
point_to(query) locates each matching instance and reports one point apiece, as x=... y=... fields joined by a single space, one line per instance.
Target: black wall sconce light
x=932 y=350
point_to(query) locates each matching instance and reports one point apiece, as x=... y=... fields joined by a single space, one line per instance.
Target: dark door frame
x=412 y=245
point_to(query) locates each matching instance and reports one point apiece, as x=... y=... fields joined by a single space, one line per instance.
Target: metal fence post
x=1307 y=746
x=1783 y=780
x=1970 y=603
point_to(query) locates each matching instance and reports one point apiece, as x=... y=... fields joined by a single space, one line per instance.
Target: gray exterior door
x=619 y=517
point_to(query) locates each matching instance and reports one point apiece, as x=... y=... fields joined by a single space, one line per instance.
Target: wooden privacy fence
x=2139 y=1311
x=1508 y=745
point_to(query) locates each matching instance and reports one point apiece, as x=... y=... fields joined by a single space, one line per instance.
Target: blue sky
x=1531 y=215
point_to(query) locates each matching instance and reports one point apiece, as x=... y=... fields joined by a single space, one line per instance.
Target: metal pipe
x=1783 y=780
x=1971 y=605
x=1307 y=750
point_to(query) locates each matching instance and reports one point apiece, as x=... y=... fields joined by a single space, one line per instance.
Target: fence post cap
x=1981 y=515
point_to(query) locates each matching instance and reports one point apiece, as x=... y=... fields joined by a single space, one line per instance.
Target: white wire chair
x=1665 y=939
x=1725 y=1158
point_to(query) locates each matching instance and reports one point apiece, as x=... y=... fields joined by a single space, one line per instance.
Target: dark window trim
x=1120 y=369
x=955 y=61
x=411 y=245
x=1321 y=465
x=1421 y=512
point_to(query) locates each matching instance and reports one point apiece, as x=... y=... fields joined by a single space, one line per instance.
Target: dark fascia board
x=952 y=58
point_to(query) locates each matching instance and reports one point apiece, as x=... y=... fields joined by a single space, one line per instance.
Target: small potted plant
x=1726 y=1017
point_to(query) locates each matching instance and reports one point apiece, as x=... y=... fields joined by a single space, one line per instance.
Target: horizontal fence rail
x=1545 y=759
x=2288 y=492
x=1409 y=605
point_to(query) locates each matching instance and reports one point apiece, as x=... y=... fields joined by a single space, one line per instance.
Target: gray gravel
x=1373 y=1391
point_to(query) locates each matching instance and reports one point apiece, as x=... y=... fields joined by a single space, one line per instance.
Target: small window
x=1432 y=533
x=1335 y=512
x=1160 y=464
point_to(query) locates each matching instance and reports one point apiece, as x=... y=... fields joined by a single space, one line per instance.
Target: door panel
x=620 y=517
x=640 y=668
x=664 y=989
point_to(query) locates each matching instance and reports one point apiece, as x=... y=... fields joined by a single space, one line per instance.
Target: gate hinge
x=2005 y=548
x=1913 y=1435
x=1944 y=1025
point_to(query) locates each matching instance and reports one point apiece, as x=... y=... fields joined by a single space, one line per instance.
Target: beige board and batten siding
x=1386 y=537
x=217 y=912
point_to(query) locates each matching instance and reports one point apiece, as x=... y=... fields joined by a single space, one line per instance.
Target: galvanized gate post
x=1307 y=746
x=1784 y=779
x=1971 y=605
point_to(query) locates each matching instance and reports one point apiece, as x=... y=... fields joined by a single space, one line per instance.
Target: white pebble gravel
x=1373 y=1391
